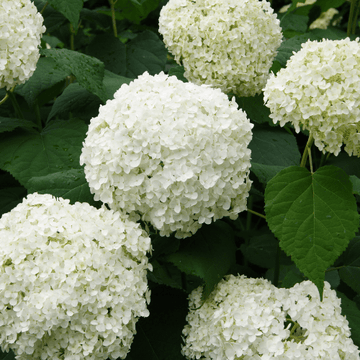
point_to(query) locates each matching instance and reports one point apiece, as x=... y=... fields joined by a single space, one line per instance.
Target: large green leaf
x=350 y=271
x=69 y=184
x=7 y=356
x=89 y=71
x=135 y=10
x=69 y=8
x=9 y=124
x=209 y=254
x=28 y=154
x=356 y=184
x=313 y=215
x=46 y=75
x=255 y=108
x=144 y=53
x=272 y=149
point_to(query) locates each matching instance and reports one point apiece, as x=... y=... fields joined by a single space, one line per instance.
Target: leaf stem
x=38 y=116
x=354 y=13
x=15 y=104
x=43 y=9
x=256 y=213
x=112 y=5
x=4 y=99
x=306 y=151
x=310 y=161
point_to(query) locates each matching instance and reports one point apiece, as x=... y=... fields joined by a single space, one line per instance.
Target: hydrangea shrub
x=175 y=154
x=318 y=91
x=223 y=43
x=247 y=318
x=21 y=28
x=72 y=280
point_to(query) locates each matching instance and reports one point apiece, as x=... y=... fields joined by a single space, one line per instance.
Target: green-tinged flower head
x=228 y=44
x=72 y=280
x=318 y=91
x=21 y=28
x=250 y=319
x=176 y=154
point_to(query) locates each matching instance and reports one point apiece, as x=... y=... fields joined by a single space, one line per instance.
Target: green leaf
x=144 y=53
x=31 y=154
x=135 y=10
x=178 y=71
x=255 y=108
x=46 y=75
x=80 y=102
x=356 y=184
x=69 y=184
x=262 y=251
x=350 y=271
x=89 y=71
x=313 y=215
x=294 y=22
x=77 y=101
x=208 y=254
x=159 y=336
x=9 y=124
x=352 y=313
x=327 y=4
x=350 y=164
x=69 y=8
x=272 y=150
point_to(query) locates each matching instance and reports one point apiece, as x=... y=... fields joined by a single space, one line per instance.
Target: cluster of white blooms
x=319 y=91
x=250 y=319
x=72 y=280
x=21 y=28
x=228 y=44
x=175 y=154
x=322 y=22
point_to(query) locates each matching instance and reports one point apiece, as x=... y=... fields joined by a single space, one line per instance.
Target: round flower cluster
x=72 y=280
x=319 y=91
x=21 y=28
x=250 y=319
x=228 y=44
x=175 y=154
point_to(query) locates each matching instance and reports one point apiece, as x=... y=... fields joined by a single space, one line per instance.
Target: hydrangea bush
x=186 y=128
x=73 y=280
x=318 y=91
x=226 y=44
x=246 y=318
x=176 y=154
x=21 y=28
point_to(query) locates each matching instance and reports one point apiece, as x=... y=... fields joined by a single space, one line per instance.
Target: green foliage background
x=312 y=219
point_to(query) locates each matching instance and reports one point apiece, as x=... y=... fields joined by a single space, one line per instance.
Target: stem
x=354 y=13
x=43 y=9
x=4 y=99
x=112 y=4
x=256 y=213
x=15 y=104
x=38 y=116
x=323 y=159
x=310 y=161
x=306 y=152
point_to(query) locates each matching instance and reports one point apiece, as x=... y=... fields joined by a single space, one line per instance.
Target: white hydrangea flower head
x=241 y=319
x=21 y=28
x=320 y=331
x=228 y=44
x=175 y=154
x=249 y=319
x=72 y=280
x=318 y=90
